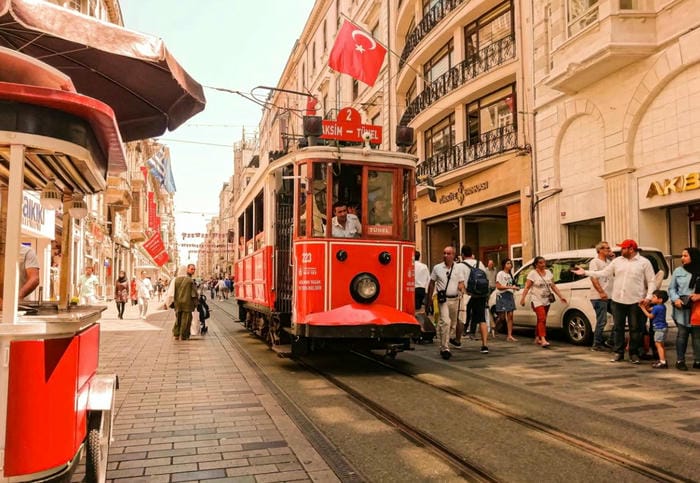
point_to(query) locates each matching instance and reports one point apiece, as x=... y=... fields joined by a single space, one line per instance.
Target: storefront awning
x=131 y=72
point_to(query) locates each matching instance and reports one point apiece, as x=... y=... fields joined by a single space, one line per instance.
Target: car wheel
x=577 y=328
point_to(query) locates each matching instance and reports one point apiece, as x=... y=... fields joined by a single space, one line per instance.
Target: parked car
x=577 y=318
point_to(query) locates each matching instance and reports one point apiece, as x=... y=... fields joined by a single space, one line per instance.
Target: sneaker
x=660 y=365
x=598 y=348
x=634 y=359
x=618 y=358
x=484 y=349
x=455 y=343
x=445 y=354
x=680 y=365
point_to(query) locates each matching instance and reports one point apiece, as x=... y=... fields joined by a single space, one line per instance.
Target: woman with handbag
x=505 y=302
x=684 y=293
x=539 y=282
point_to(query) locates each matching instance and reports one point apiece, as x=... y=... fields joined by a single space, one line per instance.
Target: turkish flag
x=357 y=54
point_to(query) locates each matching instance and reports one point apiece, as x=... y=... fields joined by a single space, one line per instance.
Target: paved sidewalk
x=195 y=410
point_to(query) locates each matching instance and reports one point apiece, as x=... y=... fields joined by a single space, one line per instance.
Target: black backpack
x=478 y=283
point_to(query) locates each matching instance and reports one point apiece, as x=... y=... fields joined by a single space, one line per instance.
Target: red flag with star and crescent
x=357 y=54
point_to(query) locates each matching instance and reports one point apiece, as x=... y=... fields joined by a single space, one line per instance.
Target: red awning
x=131 y=72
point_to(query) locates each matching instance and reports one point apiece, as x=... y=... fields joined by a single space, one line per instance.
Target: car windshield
x=560 y=268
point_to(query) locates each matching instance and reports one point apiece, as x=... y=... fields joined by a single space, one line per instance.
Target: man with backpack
x=477 y=286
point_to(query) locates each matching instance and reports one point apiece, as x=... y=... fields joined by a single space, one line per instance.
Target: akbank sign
x=37 y=221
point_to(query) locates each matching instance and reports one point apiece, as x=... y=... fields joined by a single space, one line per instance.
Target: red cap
x=628 y=244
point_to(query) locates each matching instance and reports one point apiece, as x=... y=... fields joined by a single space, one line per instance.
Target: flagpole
x=391 y=51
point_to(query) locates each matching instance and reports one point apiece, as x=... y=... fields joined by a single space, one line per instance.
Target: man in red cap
x=633 y=284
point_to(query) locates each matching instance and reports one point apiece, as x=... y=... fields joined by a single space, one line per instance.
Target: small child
x=658 y=322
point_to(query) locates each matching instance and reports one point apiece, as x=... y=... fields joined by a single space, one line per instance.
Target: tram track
x=587 y=446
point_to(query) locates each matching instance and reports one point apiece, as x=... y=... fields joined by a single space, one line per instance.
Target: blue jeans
x=682 y=341
x=601 y=317
x=633 y=315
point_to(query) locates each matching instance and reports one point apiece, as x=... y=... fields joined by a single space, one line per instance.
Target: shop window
x=585 y=234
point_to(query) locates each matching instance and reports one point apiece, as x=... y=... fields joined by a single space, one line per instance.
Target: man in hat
x=634 y=282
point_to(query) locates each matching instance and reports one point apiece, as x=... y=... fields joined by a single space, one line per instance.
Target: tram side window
x=318 y=190
x=302 y=189
x=380 y=191
x=406 y=205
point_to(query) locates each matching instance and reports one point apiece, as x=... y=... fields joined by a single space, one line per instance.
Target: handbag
x=686 y=303
x=695 y=315
x=550 y=297
x=442 y=294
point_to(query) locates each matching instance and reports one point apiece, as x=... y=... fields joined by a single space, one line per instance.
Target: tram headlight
x=364 y=288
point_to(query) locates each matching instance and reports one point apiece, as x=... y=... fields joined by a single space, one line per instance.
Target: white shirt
x=505 y=279
x=88 y=285
x=541 y=287
x=422 y=274
x=634 y=278
x=352 y=228
x=27 y=259
x=439 y=275
x=145 y=288
x=604 y=281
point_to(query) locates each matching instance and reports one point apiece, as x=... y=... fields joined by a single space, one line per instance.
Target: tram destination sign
x=347 y=127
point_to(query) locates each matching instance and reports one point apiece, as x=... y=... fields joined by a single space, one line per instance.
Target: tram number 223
x=306 y=257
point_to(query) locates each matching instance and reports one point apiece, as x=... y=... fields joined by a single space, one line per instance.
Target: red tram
x=296 y=281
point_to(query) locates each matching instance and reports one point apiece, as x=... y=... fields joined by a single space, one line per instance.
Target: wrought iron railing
x=488 y=144
x=427 y=23
x=487 y=59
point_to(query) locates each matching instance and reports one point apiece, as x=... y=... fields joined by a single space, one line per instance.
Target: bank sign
x=37 y=221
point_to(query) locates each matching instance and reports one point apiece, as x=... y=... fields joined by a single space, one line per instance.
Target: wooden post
x=64 y=294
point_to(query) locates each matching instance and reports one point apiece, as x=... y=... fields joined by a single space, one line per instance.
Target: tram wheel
x=97 y=447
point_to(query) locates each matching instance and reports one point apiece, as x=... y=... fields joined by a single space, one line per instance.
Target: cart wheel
x=99 y=433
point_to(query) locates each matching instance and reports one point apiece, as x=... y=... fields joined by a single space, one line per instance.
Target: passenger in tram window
x=354 y=209
x=344 y=225
x=380 y=214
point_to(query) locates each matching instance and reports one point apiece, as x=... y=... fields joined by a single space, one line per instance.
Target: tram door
x=283 y=268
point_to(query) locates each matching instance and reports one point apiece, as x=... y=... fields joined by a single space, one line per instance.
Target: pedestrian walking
x=540 y=283
x=121 y=293
x=477 y=287
x=657 y=319
x=505 y=298
x=599 y=295
x=87 y=287
x=449 y=284
x=422 y=279
x=133 y=291
x=182 y=292
x=684 y=291
x=634 y=283
x=145 y=291
x=221 y=289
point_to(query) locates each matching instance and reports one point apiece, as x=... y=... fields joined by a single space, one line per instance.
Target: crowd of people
x=624 y=286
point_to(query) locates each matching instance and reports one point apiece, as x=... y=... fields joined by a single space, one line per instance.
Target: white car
x=577 y=318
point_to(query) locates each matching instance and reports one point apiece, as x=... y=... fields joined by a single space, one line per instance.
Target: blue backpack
x=478 y=283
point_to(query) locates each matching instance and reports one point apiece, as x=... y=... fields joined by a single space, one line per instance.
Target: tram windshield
x=345 y=200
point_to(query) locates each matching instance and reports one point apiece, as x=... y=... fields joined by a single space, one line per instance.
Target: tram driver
x=344 y=224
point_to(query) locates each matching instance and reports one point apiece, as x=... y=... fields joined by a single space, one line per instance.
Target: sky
x=234 y=44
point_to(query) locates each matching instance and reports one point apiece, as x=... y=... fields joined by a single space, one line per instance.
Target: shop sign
x=676 y=184
x=37 y=220
x=461 y=193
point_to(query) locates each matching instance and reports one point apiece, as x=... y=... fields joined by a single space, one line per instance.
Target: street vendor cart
x=54 y=405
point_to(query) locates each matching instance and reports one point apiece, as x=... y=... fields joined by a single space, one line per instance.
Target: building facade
x=617 y=102
x=462 y=85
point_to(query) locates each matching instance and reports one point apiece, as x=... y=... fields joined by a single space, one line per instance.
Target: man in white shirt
x=87 y=287
x=599 y=295
x=422 y=279
x=449 y=280
x=344 y=225
x=28 y=272
x=634 y=283
x=145 y=290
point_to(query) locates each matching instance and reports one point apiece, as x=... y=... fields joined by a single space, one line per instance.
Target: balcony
x=490 y=144
x=488 y=58
x=118 y=192
x=137 y=231
x=426 y=25
x=602 y=40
